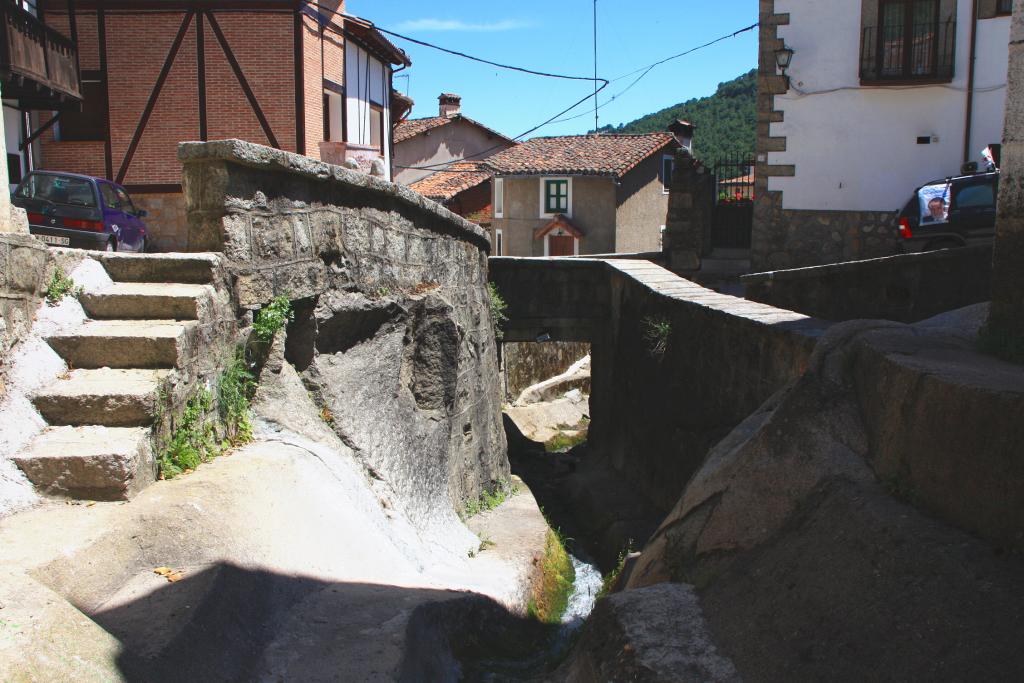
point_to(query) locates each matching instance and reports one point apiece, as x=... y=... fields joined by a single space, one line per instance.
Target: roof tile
x=445 y=184
x=609 y=155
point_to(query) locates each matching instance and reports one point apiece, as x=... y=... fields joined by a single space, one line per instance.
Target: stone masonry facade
x=789 y=238
x=362 y=259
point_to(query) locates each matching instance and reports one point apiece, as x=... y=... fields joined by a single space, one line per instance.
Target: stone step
x=126 y=343
x=92 y=463
x=152 y=300
x=184 y=268
x=109 y=397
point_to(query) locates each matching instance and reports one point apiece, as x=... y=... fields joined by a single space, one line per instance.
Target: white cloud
x=413 y=25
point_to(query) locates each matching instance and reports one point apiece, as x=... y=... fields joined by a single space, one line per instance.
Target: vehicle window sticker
x=934 y=201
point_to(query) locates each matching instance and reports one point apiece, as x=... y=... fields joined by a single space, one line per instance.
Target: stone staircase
x=125 y=360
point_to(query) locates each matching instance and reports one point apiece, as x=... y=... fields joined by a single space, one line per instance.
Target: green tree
x=726 y=121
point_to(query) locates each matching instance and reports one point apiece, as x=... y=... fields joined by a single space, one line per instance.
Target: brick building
x=293 y=74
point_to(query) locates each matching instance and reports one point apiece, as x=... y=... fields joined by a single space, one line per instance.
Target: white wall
x=855 y=148
x=366 y=79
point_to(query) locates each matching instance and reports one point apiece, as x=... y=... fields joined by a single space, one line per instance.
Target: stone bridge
x=675 y=366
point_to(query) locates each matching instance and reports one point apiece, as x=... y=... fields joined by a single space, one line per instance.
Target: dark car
x=953 y=212
x=71 y=210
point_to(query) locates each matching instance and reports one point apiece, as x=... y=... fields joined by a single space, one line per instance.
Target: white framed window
x=668 y=165
x=499 y=198
x=499 y=243
x=555 y=197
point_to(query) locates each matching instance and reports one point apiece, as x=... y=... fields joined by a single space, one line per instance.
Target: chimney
x=449 y=104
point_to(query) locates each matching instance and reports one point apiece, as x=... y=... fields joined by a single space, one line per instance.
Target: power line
x=644 y=70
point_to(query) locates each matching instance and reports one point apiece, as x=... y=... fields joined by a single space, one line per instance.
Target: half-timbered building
x=298 y=75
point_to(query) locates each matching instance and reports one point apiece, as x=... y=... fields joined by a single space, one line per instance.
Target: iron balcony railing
x=38 y=65
x=908 y=52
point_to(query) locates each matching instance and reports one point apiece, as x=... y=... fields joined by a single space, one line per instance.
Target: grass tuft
x=612 y=577
x=489 y=500
x=656 y=333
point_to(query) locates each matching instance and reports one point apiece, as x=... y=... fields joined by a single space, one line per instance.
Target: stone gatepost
x=688 y=223
x=1006 y=318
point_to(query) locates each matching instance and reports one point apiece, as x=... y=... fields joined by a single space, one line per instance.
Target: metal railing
x=908 y=52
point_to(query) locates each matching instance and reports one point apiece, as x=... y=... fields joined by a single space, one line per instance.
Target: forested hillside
x=725 y=121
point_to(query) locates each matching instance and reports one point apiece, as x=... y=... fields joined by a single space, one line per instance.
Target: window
x=377 y=127
x=975 y=197
x=125 y=201
x=1004 y=7
x=109 y=196
x=13 y=168
x=90 y=124
x=556 y=195
x=499 y=246
x=668 y=164
x=499 y=198
x=911 y=40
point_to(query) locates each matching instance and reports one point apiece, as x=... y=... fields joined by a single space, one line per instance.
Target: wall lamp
x=783 y=57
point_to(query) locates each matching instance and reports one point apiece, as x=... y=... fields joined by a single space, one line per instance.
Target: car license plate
x=58 y=241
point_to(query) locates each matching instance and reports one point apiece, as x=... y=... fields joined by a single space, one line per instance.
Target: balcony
x=902 y=54
x=38 y=65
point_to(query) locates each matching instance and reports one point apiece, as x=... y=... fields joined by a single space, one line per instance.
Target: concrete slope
x=290 y=571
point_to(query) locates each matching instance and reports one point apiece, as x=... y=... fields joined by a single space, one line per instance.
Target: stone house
x=435 y=141
x=582 y=194
x=298 y=75
x=880 y=97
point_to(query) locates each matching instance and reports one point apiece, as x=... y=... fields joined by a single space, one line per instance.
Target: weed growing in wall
x=61 y=285
x=234 y=389
x=272 y=318
x=612 y=577
x=656 y=333
x=498 y=308
x=194 y=440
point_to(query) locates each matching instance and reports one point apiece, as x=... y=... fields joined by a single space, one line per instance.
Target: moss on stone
x=553 y=588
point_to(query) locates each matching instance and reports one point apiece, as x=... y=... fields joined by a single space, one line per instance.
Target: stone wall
x=24 y=270
x=165 y=220
x=674 y=366
x=906 y=288
x=392 y=333
x=690 y=206
x=524 y=364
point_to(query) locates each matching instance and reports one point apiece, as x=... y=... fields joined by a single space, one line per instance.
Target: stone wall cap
x=863 y=264
x=268 y=158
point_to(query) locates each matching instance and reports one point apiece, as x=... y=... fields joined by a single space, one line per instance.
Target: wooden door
x=560 y=245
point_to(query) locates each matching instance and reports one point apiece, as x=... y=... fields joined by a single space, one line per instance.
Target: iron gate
x=734 y=202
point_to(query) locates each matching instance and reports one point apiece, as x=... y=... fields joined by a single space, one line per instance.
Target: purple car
x=71 y=210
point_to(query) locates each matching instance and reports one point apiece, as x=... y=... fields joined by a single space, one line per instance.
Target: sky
x=556 y=36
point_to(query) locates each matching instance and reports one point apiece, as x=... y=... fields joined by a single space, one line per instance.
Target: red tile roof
x=458 y=177
x=413 y=127
x=608 y=155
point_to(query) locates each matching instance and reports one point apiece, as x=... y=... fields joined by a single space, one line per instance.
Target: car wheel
x=111 y=245
x=942 y=244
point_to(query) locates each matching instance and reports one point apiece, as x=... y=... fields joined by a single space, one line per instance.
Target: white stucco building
x=880 y=96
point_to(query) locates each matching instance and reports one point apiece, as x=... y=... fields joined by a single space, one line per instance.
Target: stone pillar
x=1006 y=318
x=688 y=223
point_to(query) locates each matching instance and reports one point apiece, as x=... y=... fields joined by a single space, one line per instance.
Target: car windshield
x=58 y=189
x=934 y=203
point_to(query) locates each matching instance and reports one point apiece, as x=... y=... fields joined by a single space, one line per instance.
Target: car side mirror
x=141 y=213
